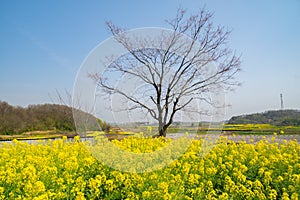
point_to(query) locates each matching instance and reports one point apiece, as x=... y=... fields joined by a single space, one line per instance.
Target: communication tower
x=281 y=101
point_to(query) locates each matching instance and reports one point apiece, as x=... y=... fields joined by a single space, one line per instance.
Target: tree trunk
x=162 y=130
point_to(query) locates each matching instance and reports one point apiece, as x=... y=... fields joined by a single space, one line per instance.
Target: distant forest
x=15 y=120
x=276 y=118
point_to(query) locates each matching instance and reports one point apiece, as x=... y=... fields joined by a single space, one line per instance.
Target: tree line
x=16 y=120
x=276 y=118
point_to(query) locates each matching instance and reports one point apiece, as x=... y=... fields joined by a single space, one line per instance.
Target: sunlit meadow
x=61 y=169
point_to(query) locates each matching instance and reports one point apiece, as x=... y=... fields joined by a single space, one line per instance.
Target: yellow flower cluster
x=66 y=170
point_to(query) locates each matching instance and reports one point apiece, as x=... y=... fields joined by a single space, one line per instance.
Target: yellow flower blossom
x=62 y=169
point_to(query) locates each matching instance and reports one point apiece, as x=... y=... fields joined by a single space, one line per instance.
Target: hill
x=16 y=120
x=275 y=117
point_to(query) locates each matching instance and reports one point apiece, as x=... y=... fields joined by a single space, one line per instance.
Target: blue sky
x=43 y=44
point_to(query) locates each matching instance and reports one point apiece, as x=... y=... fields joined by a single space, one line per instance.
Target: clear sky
x=43 y=44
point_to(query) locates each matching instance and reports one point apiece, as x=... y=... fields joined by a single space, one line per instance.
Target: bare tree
x=64 y=98
x=171 y=81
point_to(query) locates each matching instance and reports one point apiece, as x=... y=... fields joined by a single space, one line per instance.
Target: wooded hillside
x=15 y=120
x=277 y=118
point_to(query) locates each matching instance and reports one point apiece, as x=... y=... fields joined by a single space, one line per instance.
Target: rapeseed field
x=62 y=169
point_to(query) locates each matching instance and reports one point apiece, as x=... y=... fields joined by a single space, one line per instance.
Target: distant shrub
x=104 y=126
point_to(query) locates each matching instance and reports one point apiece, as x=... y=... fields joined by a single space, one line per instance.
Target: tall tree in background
x=171 y=82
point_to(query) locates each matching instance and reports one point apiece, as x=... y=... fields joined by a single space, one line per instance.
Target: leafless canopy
x=171 y=81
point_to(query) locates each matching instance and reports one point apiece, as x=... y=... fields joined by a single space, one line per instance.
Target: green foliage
x=16 y=120
x=276 y=118
x=104 y=125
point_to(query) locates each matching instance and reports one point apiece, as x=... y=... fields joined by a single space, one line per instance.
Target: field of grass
x=66 y=170
x=120 y=133
x=237 y=129
x=37 y=135
x=260 y=129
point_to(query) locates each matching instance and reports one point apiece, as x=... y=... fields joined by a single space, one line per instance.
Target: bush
x=104 y=126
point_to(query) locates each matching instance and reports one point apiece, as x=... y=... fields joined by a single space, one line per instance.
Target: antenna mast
x=281 y=101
